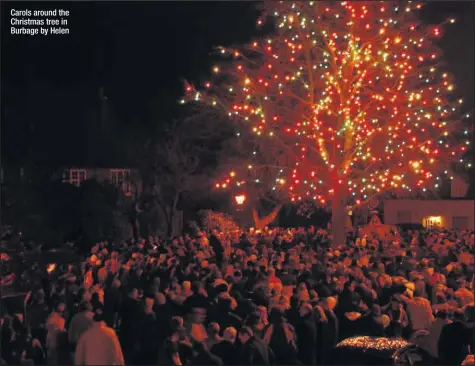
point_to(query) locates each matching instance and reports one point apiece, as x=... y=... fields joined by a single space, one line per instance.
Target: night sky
x=138 y=52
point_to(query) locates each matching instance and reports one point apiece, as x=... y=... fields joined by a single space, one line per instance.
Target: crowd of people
x=274 y=296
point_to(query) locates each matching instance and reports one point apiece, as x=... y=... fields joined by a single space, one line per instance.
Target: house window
x=404 y=217
x=460 y=222
x=77 y=176
x=121 y=179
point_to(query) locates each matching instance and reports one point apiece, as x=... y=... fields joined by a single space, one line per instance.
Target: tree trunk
x=338 y=219
x=135 y=227
x=171 y=215
x=170 y=225
x=261 y=223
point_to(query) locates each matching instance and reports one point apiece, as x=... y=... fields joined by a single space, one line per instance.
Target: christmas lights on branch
x=350 y=99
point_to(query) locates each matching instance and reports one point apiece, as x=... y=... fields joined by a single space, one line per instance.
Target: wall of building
x=445 y=213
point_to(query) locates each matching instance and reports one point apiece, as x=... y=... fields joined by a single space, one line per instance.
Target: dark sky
x=138 y=52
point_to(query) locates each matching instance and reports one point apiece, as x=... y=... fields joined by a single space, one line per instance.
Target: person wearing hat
x=99 y=345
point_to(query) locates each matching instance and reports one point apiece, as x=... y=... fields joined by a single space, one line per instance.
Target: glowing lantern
x=240 y=199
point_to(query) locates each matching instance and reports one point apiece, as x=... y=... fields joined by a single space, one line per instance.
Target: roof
x=381 y=344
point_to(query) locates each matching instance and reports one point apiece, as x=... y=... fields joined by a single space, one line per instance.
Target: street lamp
x=240 y=199
x=240 y=214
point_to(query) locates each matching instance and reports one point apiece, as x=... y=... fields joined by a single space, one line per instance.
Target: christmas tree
x=344 y=100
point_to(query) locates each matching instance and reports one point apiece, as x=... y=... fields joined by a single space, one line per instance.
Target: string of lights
x=355 y=94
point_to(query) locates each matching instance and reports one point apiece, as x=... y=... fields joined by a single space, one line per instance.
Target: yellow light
x=240 y=199
x=51 y=267
x=415 y=164
x=433 y=220
x=247 y=81
x=216 y=69
x=397 y=40
x=282 y=181
x=232 y=174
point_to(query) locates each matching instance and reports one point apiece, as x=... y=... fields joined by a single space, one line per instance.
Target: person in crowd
x=213 y=335
x=287 y=294
x=327 y=330
x=457 y=338
x=398 y=317
x=200 y=355
x=306 y=332
x=370 y=324
x=419 y=311
x=281 y=338
x=147 y=329
x=174 y=349
x=37 y=313
x=55 y=326
x=430 y=342
x=226 y=348
x=129 y=313
x=80 y=322
x=251 y=350
x=99 y=345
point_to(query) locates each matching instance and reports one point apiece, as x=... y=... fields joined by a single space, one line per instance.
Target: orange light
x=51 y=267
x=240 y=199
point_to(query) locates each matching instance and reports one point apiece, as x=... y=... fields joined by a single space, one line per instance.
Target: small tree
x=345 y=100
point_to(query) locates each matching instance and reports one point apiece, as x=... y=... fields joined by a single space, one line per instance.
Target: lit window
x=121 y=179
x=77 y=176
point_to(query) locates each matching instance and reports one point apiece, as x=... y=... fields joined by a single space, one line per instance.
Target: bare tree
x=182 y=162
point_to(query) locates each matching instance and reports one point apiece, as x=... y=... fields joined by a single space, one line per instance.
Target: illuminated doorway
x=432 y=221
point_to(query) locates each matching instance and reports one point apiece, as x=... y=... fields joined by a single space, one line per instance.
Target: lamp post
x=240 y=200
x=240 y=215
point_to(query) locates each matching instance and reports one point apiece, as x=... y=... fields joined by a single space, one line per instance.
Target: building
x=449 y=214
x=454 y=213
x=126 y=179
